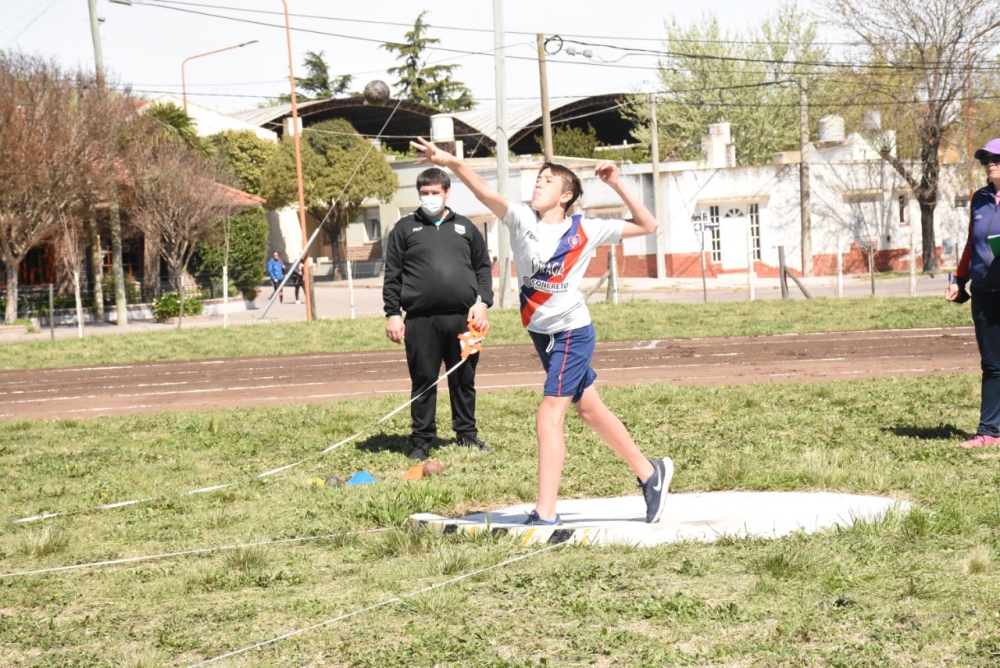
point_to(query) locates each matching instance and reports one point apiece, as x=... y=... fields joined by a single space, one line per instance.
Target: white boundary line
x=394 y=599
x=203 y=550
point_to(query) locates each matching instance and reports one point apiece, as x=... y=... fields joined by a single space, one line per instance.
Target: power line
x=932 y=65
x=622 y=38
x=305 y=30
x=32 y=21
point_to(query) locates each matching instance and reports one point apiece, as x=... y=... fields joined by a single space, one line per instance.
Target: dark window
x=755 y=229
x=713 y=215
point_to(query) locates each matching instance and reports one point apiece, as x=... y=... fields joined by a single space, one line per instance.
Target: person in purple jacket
x=980 y=268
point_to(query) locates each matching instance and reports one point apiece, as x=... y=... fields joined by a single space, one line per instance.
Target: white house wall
x=209 y=122
x=836 y=223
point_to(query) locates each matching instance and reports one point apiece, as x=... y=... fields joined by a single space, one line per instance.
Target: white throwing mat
x=703 y=516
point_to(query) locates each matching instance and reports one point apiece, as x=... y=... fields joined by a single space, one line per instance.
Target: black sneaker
x=655 y=490
x=420 y=449
x=534 y=519
x=474 y=443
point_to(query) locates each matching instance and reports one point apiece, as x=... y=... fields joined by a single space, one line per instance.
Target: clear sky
x=145 y=44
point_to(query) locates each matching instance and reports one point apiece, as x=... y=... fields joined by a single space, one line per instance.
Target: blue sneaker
x=655 y=490
x=534 y=519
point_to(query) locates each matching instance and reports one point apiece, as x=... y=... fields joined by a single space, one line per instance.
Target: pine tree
x=419 y=82
x=317 y=84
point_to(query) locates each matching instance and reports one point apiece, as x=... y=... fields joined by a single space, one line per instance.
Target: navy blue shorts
x=566 y=359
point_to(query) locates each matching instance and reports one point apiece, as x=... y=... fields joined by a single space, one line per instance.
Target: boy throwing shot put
x=551 y=253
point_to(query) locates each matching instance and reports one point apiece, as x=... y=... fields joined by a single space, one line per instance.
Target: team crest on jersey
x=460 y=229
x=574 y=241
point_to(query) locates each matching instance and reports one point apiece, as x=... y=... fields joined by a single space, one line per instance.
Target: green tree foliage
x=571 y=142
x=177 y=125
x=245 y=154
x=746 y=79
x=922 y=65
x=419 y=82
x=317 y=84
x=341 y=169
x=247 y=233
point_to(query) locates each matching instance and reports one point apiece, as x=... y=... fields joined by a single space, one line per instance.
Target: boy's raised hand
x=607 y=171
x=430 y=154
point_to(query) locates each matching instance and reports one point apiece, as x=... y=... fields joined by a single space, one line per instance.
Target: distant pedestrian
x=299 y=280
x=276 y=270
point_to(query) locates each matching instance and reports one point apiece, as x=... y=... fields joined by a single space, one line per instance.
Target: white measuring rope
x=203 y=550
x=203 y=490
x=394 y=599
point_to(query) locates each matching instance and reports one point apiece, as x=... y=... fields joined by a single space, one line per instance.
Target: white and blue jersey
x=551 y=260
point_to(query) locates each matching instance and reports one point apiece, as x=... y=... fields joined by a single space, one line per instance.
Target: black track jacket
x=432 y=269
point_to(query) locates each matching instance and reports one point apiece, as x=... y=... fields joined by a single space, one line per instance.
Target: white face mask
x=432 y=205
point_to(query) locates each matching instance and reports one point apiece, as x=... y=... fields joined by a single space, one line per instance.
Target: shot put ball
x=376 y=92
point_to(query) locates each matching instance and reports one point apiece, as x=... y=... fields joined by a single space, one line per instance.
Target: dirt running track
x=263 y=381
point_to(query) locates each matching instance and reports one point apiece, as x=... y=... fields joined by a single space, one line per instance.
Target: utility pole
x=95 y=33
x=543 y=79
x=503 y=234
x=806 y=231
x=660 y=234
x=117 y=269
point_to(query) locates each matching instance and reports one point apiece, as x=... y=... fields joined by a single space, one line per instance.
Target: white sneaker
x=297 y=301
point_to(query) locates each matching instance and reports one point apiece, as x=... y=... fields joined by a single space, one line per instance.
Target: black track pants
x=430 y=341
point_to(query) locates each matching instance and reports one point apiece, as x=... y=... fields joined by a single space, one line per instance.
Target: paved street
x=334 y=299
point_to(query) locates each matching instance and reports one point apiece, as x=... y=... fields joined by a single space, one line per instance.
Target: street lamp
x=207 y=53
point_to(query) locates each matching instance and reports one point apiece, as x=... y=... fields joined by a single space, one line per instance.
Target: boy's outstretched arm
x=643 y=222
x=483 y=191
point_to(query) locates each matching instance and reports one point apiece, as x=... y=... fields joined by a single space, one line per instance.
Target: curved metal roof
x=396 y=122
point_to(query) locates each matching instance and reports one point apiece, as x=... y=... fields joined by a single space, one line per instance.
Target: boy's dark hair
x=434 y=176
x=571 y=182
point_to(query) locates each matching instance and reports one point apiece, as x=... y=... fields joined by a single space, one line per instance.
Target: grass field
x=914 y=590
x=627 y=321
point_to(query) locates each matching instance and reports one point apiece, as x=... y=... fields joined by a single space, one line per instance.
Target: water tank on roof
x=289 y=126
x=871 y=122
x=442 y=128
x=831 y=128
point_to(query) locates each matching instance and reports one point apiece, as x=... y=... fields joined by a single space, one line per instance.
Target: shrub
x=248 y=254
x=133 y=291
x=169 y=306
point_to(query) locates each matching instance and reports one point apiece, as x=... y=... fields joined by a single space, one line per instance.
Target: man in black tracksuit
x=438 y=271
